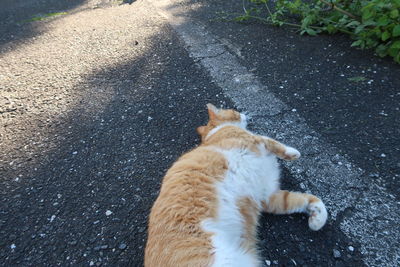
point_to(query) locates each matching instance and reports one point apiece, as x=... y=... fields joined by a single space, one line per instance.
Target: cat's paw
x=318 y=215
x=291 y=153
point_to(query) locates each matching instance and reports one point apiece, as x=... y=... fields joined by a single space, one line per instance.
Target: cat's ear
x=212 y=111
x=201 y=130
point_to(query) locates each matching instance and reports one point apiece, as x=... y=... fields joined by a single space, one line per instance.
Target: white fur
x=248 y=175
x=242 y=124
x=318 y=215
x=292 y=152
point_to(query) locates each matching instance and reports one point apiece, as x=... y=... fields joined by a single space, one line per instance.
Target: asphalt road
x=96 y=104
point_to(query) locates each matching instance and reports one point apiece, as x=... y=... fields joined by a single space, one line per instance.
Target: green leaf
x=394 y=13
x=367 y=14
x=369 y=22
x=396 y=31
x=357 y=43
x=381 y=50
x=311 y=31
x=385 y=36
x=397 y=58
x=377 y=32
x=353 y=23
x=357 y=79
x=393 y=52
x=359 y=29
x=331 y=29
x=395 y=45
x=383 y=21
x=307 y=20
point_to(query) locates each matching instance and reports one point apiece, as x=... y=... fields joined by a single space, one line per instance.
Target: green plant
x=357 y=79
x=45 y=16
x=371 y=23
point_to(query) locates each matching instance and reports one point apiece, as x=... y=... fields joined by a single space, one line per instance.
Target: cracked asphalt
x=96 y=104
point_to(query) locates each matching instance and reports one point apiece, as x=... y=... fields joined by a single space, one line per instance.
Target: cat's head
x=217 y=117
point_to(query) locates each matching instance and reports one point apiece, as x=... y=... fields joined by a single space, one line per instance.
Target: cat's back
x=187 y=197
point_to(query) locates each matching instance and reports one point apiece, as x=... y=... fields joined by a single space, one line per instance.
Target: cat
x=207 y=211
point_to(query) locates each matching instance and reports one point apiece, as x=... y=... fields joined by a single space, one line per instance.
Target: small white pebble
x=52 y=218
x=91 y=263
x=383 y=155
x=75 y=152
x=13 y=246
x=351 y=248
x=149 y=118
x=268 y=262
x=108 y=212
x=294 y=110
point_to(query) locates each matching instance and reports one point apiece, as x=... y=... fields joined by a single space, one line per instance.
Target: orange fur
x=250 y=212
x=234 y=137
x=187 y=197
x=283 y=202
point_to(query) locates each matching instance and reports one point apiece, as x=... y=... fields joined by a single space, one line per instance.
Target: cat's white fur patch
x=248 y=175
x=243 y=120
x=318 y=215
x=242 y=124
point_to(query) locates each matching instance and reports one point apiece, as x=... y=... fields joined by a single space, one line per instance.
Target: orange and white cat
x=207 y=211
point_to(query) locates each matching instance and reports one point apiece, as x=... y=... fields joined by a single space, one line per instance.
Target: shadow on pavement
x=15 y=15
x=114 y=148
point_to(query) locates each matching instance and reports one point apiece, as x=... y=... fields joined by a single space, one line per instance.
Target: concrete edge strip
x=322 y=170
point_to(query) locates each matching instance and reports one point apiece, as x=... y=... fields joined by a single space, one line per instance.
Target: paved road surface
x=96 y=104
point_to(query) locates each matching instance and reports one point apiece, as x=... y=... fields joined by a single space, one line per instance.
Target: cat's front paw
x=318 y=215
x=291 y=153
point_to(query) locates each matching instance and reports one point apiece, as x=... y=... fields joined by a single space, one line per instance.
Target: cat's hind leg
x=285 y=202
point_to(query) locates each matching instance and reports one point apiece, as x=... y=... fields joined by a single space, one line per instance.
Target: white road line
x=373 y=217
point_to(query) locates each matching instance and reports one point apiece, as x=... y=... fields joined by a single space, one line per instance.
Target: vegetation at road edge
x=371 y=23
x=44 y=16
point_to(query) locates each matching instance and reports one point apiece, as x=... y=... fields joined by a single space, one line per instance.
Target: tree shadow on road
x=112 y=150
x=17 y=18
